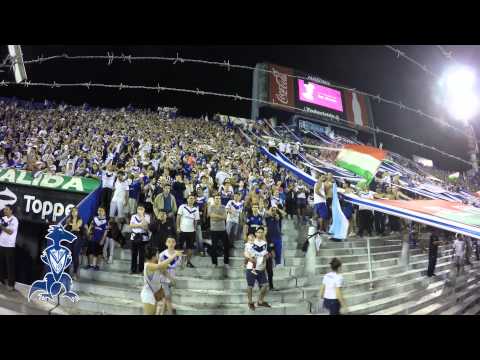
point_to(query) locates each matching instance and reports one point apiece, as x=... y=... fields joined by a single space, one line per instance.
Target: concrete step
x=474 y=310
x=5 y=311
x=108 y=289
x=410 y=303
x=453 y=304
x=125 y=254
x=346 y=259
x=205 y=269
x=16 y=303
x=352 y=276
x=363 y=286
x=100 y=304
x=234 y=284
x=363 y=265
x=360 y=242
x=300 y=308
x=460 y=306
x=218 y=297
x=185 y=282
x=286 y=245
x=339 y=252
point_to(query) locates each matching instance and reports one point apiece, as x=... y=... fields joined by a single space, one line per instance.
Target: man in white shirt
x=234 y=211
x=320 y=202
x=8 y=238
x=119 y=204
x=139 y=223
x=187 y=218
x=108 y=180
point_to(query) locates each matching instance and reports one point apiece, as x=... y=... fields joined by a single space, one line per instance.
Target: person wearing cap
x=256 y=254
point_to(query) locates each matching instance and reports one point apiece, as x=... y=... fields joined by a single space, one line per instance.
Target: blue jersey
x=134 y=190
x=200 y=202
x=254 y=222
x=99 y=228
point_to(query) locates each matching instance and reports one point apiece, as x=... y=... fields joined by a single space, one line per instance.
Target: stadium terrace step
x=325 y=259
x=108 y=289
x=415 y=301
x=184 y=282
x=474 y=310
x=125 y=254
x=363 y=286
x=300 y=308
x=100 y=304
x=456 y=304
x=204 y=269
x=211 y=297
x=358 y=250
x=4 y=311
x=199 y=303
x=234 y=284
x=286 y=245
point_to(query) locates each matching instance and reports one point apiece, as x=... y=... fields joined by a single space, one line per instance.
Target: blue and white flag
x=339 y=227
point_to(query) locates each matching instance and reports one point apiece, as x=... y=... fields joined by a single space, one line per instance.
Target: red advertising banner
x=281 y=86
x=356 y=109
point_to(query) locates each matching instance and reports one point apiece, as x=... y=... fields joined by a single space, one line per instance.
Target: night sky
x=374 y=69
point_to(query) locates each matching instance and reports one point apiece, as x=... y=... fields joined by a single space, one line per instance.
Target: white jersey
x=188 y=215
x=318 y=199
x=108 y=179
x=164 y=255
x=258 y=250
x=235 y=210
x=121 y=190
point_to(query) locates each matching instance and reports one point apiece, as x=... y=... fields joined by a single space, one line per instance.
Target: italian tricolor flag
x=361 y=160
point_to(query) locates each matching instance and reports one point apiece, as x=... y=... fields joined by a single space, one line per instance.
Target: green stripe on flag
x=356 y=170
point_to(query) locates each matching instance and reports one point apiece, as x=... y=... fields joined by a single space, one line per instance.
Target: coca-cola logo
x=282 y=82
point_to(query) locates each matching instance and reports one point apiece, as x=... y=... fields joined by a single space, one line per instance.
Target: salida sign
x=34 y=199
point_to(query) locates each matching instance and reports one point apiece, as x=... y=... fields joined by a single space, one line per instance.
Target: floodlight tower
x=462 y=101
x=16 y=58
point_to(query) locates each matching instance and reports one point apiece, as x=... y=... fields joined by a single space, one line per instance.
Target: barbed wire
x=235 y=97
x=110 y=57
x=446 y=54
x=404 y=55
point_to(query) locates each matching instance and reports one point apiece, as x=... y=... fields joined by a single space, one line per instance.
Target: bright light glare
x=459 y=91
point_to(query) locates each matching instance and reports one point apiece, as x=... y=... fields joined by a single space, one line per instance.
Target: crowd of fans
x=191 y=184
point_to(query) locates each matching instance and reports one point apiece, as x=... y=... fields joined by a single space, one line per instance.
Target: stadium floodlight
x=460 y=97
x=16 y=56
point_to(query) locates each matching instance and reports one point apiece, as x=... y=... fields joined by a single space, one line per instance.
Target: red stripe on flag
x=369 y=150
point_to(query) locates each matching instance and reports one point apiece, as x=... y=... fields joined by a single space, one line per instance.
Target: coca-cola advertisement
x=281 y=86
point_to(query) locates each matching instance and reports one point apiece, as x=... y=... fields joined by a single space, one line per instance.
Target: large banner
x=448 y=215
x=451 y=216
x=37 y=200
